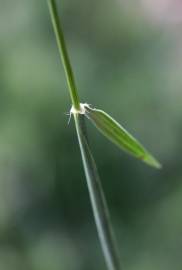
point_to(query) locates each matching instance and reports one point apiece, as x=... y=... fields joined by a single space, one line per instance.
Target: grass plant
x=110 y=129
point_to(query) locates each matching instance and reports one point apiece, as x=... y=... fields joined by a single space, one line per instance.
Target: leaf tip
x=150 y=160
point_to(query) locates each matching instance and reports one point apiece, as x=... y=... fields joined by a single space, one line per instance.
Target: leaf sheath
x=99 y=206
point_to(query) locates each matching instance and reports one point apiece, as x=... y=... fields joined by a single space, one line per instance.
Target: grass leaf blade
x=119 y=136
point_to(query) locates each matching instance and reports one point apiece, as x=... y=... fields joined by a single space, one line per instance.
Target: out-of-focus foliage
x=125 y=62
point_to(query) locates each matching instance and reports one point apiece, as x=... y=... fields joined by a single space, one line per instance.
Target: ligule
x=119 y=136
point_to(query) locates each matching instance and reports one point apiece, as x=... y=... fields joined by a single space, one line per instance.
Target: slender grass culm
x=109 y=128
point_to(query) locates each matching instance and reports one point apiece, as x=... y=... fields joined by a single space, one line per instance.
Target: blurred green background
x=127 y=59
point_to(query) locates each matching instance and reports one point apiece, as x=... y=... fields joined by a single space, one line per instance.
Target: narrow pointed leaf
x=119 y=136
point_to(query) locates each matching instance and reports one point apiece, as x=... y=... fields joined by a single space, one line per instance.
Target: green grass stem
x=64 y=54
x=97 y=198
x=98 y=201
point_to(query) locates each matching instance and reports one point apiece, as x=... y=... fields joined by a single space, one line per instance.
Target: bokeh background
x=127 y=58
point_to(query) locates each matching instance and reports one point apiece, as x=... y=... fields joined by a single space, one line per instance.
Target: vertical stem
x=64 y=54
x=97 y=198
x=98 y=201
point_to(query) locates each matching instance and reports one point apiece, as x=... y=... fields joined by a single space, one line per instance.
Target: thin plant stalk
x=96 y=194
x=64 y=54
x=98 y=201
